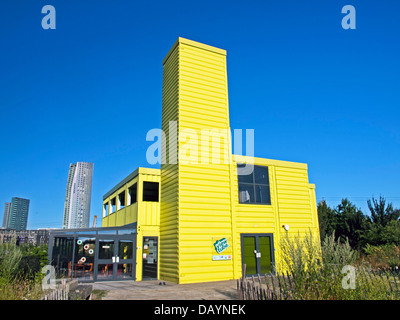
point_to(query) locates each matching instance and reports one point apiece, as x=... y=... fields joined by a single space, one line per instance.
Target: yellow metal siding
x=192 y=216
x=292 y=202
x=145 y=213
x=169 y=225
x=204 y=189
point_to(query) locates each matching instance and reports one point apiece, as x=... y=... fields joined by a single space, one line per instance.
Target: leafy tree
x=380 y=213
x=351 y=223
x=326 y=219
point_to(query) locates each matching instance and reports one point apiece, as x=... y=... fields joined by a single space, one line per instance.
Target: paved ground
x=151 y=290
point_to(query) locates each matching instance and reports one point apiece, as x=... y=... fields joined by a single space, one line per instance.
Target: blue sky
x=91 y=89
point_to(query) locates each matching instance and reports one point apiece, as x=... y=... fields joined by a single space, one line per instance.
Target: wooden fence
x=260 y=288
x=62 y=290
x=283 y=286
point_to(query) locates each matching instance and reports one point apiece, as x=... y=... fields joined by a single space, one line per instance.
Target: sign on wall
x=221 y=246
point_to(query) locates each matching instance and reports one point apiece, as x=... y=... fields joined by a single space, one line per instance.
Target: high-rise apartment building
x=18 y=217
x=78 y=195
x=6 y=216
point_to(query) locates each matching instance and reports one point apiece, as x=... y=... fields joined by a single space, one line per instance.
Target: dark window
x=121 y=200
x=150 y=191
x=112 y=205
x=105 y=213
x=253 y=186
x=132 y=191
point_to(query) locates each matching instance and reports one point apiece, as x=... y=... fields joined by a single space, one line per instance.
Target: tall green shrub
x=10 y=257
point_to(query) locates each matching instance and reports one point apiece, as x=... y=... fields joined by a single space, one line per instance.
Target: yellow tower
x=195 y=207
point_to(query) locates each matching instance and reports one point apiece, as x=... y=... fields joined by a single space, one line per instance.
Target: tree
x=380 y=213
x=326 y=219
x=351 y=223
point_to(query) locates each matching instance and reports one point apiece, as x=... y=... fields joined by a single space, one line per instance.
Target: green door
x=257 y=253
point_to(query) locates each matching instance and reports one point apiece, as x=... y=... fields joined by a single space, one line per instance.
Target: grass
x=98 y=294
x=15 y=283
x=330 y=272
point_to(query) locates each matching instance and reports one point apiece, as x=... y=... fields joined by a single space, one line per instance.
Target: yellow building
x=210 y=220
x=206 y=212
x=135 y=201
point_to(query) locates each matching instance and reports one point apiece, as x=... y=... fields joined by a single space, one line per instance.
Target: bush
x=20 y=271
x=337 y=253
x=308 y=279
x=384 y=256
x=10 y=258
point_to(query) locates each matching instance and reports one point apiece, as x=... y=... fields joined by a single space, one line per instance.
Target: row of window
x=254 y=188
x=150 y=193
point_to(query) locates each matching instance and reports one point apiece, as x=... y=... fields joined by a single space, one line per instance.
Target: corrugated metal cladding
x=204 y=189
x=292 y=203
x=195 y=198
x=145 y=213
x=169 y=223
x=199 y=194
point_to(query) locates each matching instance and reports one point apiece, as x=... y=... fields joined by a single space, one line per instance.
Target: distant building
x=78 y=196
x=18 y=217
x=35 y=237
x=6 y=216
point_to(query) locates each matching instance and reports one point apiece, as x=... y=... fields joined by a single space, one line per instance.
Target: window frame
x=113 y=207
x=158 y=191
x=132 y=187
x=106 y=209
x=119 y=207
x=254 y=185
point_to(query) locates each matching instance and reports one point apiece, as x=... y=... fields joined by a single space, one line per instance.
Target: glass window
x=127 y=231
x=112 y=205
x=125 y=249
x=106 y=249
x=113 y=231
x=262 y=194
x=84 y=258
x=125 y=271
x=150 y=191
x=261 y=175
x=62 y=256
x=245 y=178
x=254 y=186
x=105 y=210
x=121 y=200
x=132 y=191
x=105 y=271
x=246 y=193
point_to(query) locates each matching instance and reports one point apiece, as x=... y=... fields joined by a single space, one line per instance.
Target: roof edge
x=193 y=44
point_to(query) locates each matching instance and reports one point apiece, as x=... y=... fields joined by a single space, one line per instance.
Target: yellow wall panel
x=169 y=222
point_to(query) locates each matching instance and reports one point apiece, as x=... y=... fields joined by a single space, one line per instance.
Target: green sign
x=221 y=245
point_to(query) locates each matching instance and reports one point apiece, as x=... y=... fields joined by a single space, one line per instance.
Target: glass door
x=106 y=259
x=126 y=254
x=115 y=259
x=84 y=258
x=150 y=258
x=257 y=253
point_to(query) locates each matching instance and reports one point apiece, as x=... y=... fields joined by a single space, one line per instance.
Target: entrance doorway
x=150 y=258
x=258 y=253
x=115 y=258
